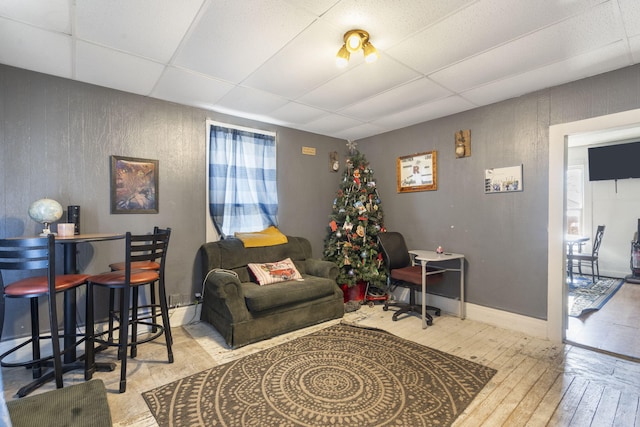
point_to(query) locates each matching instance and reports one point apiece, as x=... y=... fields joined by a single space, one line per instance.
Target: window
x=575 y=199
x=242 y=187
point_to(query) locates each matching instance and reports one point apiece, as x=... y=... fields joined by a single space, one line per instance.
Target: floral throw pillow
x=274 y=272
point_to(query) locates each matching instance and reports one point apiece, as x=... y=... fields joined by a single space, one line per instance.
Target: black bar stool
x=139 y=248
x=30 y=254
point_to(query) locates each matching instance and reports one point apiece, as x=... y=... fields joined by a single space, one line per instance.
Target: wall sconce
x=463 y=143
x=354 y=40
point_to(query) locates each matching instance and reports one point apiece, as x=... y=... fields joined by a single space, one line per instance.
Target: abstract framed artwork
x=134 y=185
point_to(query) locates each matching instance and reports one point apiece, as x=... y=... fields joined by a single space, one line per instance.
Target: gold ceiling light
x=355 y=40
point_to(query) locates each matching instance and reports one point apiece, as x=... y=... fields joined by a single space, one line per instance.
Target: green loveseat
x=245 y=312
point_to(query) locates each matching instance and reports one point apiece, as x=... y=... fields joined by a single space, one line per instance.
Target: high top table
x=425 y=257
x=70 y=244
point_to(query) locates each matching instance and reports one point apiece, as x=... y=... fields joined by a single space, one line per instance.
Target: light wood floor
x=614 y=328
x=538 y=383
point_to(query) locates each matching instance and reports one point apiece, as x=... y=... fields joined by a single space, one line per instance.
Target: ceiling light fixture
x=354 y=40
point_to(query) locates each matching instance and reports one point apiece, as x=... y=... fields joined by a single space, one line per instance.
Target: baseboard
x=502 y=319
x=178 y=316
x=184 y=315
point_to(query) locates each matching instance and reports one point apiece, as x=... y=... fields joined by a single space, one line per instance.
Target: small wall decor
x=503 y=180
x=463 y=143
x=417 y=172
x=134 y=185
x=334 y=163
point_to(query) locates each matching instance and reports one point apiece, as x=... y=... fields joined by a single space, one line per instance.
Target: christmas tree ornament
x=351 y=146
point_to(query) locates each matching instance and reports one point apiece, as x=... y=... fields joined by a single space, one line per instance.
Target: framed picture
x=417 y=172
x=503 y=180
x=134 y=185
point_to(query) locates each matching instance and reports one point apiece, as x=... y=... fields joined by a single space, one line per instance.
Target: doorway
x=627 y=123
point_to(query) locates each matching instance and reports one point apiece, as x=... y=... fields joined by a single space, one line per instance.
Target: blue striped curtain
x=243 y=194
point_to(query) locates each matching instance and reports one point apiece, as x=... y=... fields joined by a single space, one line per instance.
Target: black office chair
x=592 y=258
x=403 y=273
x=139 y=249
x=35 y=254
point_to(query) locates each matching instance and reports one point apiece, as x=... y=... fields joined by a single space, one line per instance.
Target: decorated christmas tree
x=355 y=222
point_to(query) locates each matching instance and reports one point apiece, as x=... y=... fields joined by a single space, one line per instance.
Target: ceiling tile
x=399 y=98
x=580 y=34
x=361 y=81
x=331 y=124
x=149 y=28
x=104 y=67
x=388 y=22
x=297 y=114
x=302 y=65
x=482 y=26
x=634 y=46
x=589 y=64
x=189 y=88
x=250 y=100
x=358 y=132
x=426 y=112
x=317 y=7
x=630 y=10
x=230 y=43
x=34 y=49
x=53 y=15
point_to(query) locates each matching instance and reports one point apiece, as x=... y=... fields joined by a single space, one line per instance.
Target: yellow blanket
x=268 y=237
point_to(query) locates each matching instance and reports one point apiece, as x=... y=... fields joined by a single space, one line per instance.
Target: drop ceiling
x=274 y=60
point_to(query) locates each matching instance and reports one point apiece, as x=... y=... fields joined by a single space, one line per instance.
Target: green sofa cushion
x=262 y=298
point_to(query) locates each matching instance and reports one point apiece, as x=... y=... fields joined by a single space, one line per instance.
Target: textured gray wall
x=56 y=137
x=503 y=236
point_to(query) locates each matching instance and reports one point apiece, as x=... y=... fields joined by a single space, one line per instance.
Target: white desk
x=426 y=257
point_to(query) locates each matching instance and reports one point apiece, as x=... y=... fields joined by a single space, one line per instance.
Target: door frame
x=556 y=271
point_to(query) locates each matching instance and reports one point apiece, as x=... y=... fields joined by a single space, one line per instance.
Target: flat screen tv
x=618 y=161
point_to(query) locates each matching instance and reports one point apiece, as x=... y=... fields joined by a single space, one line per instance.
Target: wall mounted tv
x=618 y=161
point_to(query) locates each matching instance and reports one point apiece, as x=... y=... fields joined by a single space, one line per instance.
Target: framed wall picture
x=417 y=172
x=134 y=185
x=503 y=180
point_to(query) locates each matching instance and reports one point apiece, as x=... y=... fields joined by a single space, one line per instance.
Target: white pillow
x=274 y=272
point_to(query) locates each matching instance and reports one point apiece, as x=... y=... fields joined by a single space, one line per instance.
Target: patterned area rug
x=585 y=295
x=342 y=375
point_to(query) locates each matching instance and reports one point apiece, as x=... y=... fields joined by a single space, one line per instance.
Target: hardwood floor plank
x=607 y=407
x=549 y=404
x=521 y=384
x=628 y=411
x=565 y=411
x=503 y=384
x=586 y=409
x=534 y=397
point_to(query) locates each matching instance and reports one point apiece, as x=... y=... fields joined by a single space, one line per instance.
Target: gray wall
x=56 y=137
x=503 y=236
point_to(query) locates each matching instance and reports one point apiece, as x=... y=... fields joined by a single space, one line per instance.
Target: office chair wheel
x=429 y=322
x=437 y=312
x=385 y=308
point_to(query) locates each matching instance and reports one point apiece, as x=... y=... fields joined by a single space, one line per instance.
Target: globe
x=45 y=211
